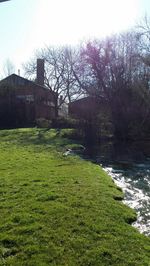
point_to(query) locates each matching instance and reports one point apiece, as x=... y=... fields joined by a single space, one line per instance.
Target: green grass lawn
x=61 y=210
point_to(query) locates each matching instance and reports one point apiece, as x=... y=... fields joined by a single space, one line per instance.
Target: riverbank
x=61 y=210
x=136 y=193
x=128 y=164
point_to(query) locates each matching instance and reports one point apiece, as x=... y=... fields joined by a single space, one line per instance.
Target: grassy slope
x=57 y=210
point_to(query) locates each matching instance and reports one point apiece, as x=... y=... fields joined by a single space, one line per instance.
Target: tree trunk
x=56 y=107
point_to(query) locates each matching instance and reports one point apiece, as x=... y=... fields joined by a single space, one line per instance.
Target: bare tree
x=59 y=76
x=8 y=68
x=116 y=74
x=143 y=36
x=109 y=69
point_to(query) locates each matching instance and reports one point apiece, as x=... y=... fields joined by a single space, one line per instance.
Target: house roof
x=81 y=99
x=85 y=99
x=18 y=80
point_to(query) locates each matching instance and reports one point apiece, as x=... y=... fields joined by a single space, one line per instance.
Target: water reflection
x=129 y=166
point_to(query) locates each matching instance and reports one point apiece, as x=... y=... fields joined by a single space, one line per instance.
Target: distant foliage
x=62 y=122
x=43 y=123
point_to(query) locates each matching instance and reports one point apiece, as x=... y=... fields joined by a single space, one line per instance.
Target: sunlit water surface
x=129 y=166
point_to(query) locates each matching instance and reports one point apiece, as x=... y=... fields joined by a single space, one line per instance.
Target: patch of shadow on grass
x=31 y=250
x=131 y=219
x=25 y=184
x=30 y=230
x=8 y=242
x=9 y=252
x=44 y=198
x=39 y=211
x=79 y=205
x=119 y=198
x=45 y=185
x=120 y=189
x=37 y=180
x=22 y=219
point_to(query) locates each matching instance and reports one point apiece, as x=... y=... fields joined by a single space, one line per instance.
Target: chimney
x=40 y=72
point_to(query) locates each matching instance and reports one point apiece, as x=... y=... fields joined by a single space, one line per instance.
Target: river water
x=129 y=166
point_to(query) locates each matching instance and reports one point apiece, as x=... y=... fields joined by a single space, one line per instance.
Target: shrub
x=62 y=122
x=43 y=123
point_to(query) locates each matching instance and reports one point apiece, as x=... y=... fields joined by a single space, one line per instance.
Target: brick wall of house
x=29 y=100
x=84 y=108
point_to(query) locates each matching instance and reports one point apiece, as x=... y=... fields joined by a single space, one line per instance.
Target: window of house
x=27 y=98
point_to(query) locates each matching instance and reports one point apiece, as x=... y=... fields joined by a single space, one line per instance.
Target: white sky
x=28 y=25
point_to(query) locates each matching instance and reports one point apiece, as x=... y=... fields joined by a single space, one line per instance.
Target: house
x=94 y=115
x=84 y=108
x=22 y=101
